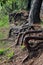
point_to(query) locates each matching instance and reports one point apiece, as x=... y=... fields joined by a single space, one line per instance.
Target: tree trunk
x=29 y=5
x=34 y=15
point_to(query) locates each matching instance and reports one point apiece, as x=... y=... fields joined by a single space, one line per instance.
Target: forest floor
x=13 y=55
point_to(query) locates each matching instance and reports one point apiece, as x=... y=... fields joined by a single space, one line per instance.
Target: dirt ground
x=21 y=53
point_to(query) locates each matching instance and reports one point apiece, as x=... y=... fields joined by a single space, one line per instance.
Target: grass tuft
x=2 y=51
x=10 y=55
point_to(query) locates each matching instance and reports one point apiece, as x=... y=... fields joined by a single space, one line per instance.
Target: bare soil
x=20 y=54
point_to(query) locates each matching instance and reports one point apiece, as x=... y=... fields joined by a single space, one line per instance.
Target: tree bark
x=34 y=15
x=29 y=5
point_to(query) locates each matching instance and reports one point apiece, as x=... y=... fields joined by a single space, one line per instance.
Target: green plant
x=22 y=47
x=2 y=51
x=10 y=55
x=4 y=21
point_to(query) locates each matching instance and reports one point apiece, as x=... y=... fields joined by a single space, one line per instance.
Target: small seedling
x=2 y=51
x=10 y=55
x=22 y=47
